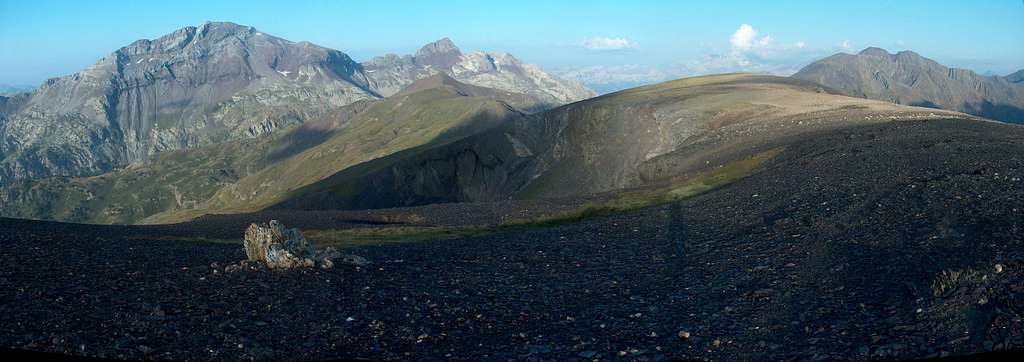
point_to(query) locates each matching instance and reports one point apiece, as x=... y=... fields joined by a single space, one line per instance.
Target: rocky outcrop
x=196 y=86
x=278 y=247
x=391 y=73
x=908 y=78
x=281 y=248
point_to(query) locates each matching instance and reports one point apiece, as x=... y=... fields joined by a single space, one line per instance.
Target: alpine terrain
x=219 y=193
x=908 y=78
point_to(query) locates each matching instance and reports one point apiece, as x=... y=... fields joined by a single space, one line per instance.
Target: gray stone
x=277 y=246
x=282 y=248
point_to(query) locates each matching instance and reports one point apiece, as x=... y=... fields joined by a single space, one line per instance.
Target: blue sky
x=42 y=39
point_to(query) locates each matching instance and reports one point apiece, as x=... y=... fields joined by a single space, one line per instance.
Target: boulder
x=282 y=248
x=277 y=246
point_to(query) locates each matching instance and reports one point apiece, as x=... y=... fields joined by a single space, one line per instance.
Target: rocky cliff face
x=193 y=87
x=391 y=73
x=908 y=78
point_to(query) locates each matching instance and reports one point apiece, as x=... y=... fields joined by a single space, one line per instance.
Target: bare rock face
x=197 y=86
x=391 y=73
x=278 y=247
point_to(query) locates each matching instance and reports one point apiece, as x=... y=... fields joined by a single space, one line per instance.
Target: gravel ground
x=878 y=242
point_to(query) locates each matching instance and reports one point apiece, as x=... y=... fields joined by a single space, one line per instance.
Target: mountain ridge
x=196 y=86
x=390 y=73
x=244 y=174
x=207 y=84
x=909 y=78
x=633 y=138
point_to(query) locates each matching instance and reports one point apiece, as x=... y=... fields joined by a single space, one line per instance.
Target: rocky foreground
x=860 y=244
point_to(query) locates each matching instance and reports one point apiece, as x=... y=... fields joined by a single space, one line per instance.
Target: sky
x=593 y=41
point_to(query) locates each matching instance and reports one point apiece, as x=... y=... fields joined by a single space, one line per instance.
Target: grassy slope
x=400 y=123
x=184 y=184
x=633 y=138
x=625 y=201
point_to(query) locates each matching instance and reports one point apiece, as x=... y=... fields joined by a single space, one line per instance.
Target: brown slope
x=643 y=136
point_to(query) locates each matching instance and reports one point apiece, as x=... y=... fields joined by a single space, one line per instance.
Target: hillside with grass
x=644 y=137
x=251 y=174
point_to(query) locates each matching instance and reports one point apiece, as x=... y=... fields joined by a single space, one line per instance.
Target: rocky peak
x=440 y=55
x=193 y=87
x=442 y=46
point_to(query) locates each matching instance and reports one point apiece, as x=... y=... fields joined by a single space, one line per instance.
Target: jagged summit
x=441 y=46
x=439 y=55
x=195 y=86
x=391 y=73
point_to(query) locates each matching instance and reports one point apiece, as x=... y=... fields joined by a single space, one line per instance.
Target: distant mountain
x=634 y=138
x=250 y=174
x=219 y=82
x=1017 y=77
x=391 y=73
x=908 y=78
x=607 y=79
x=10 y=89
x=194 y=87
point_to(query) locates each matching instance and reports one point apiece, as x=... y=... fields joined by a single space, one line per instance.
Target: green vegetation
x=344 y=238
x=248 y=175
x=632 y=200
x=394 y=125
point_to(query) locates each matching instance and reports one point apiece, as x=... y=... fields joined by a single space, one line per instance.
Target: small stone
x=144 y=349
x=684 y=334
x=716 y=343
x=999 y=268
x=587 y=354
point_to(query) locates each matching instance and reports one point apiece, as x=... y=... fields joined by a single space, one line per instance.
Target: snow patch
x=284 y=72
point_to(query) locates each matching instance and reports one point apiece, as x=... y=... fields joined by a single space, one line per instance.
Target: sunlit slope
x=251 y=174
x=637 y=137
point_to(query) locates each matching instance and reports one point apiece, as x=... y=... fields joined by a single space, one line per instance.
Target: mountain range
x=221 y=118
x=908 y=78
x=391 y=73
x=219 y=82
x=250 y=174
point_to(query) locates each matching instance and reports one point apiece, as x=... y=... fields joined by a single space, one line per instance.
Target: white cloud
x=745 y=38
x=750 y=51
x=607 y=43
x=846 y=45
